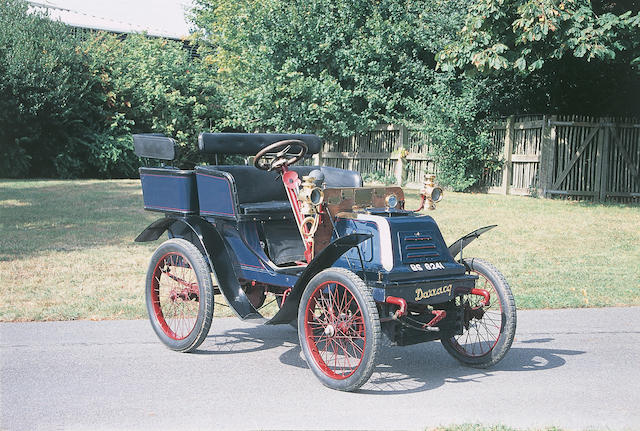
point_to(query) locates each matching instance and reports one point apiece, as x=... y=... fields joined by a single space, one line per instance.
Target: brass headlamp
x=309 y=196
x=432 y=193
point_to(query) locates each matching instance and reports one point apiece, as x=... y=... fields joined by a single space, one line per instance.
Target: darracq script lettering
x=424 y=294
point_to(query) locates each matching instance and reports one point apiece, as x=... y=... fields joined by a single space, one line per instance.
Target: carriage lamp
x=391 y=200
x=309 y=196
x=431 y=192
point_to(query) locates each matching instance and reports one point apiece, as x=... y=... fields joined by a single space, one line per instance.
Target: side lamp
x=430 y=193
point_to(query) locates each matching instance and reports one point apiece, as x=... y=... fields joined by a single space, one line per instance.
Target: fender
x=209 y=241
x=324 y=259
x=456 y=247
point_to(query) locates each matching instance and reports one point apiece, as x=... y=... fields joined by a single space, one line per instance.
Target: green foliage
x=552 y=56
x=47 y=96
x=339 y=68
x=524 y=34
x=68 y=106
x=149 y=85
x=454 y=118
x=324 y=67
x=378 y=177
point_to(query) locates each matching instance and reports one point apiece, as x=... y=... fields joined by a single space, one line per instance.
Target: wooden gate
x=576 y=157
x=596 y=159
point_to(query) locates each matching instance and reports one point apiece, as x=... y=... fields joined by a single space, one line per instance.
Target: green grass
x=554 y=253
x=67 y=250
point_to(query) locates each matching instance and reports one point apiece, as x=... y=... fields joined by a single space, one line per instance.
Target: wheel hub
x=330 y=331
x=184 y=294
x=471 y=313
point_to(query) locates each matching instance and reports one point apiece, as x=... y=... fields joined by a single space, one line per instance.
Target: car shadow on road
x=400 y=370
x=428 y=366
x=251 y=339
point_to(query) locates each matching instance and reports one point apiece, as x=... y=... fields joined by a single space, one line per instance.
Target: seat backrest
x=255 y=185
x=251 y=143
x=154 y=146
x=336 y=177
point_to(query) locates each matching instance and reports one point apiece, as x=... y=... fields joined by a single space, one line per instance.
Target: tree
x=553 y=56
x=523 y=34
x=324 y=66
x=149 y=85
x=338 y=68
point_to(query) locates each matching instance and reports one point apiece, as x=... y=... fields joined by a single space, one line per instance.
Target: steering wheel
x=280 y=148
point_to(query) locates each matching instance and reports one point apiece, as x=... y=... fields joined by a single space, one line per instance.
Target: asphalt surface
x=574 y=369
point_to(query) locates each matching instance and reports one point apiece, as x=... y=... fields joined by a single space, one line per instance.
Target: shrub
x=454 y=119
x=149 y=85
x=48 y=97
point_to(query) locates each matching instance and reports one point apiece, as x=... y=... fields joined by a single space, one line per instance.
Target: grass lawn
x=67 y=250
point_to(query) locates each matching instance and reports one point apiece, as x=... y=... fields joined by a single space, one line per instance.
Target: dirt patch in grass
x=67 y=250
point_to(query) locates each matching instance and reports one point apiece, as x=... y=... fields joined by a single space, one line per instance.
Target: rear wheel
x=488 y=331
x=179 y=295
x=339 y=329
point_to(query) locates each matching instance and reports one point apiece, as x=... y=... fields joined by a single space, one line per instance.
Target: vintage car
x=346 y=264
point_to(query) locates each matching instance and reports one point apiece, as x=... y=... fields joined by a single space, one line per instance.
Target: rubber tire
x=205 y=294
x=363 y=297
x=508 y=318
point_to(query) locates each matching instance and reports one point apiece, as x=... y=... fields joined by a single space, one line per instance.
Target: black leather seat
x=270 y=207
x=262 y=193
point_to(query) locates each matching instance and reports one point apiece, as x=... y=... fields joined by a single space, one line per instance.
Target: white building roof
x=161 y=18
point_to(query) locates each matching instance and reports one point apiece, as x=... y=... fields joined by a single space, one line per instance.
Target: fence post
x=547 y=151
x=401 y=164
x=605 y=138
x=508 y=151
x=317 y=158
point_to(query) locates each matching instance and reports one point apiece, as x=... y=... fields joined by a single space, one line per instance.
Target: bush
x=69 y=106
x=149 y=85
x=454 y=118
x=48 y=103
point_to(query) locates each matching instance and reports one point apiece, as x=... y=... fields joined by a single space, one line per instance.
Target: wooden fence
x=571 y=156
x=576 y=157
x=379 y=152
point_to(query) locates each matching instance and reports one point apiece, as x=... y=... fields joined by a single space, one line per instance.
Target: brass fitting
x=309 y=196
x=431 y=192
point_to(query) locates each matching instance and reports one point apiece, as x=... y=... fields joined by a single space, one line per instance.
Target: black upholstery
x=336 y=177
x=251 y=143
x=270 y=207
x=265 y=192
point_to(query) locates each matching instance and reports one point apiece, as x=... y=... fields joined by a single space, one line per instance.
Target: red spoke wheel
x=487 y=332
x=179 y=295
x=339 y=329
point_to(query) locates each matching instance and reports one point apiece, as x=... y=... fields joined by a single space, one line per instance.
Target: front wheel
x=179 y=295
x=339 y=329
x=488 y=331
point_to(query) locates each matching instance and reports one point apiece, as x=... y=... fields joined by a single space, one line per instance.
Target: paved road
x=571 y=368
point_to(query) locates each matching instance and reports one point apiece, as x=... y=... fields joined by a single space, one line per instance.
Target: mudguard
x=209 y=241
x=456 y=247
x=324 y=259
